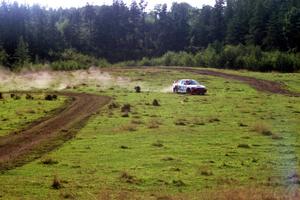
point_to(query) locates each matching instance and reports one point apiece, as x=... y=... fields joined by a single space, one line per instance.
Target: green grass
x=17 y=114
x=290 y=80
x=197 y=143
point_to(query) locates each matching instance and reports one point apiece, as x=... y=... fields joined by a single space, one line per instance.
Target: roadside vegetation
x=227 y=57
x=233 y=140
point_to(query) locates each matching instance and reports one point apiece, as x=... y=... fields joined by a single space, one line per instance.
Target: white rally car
x=188 y=86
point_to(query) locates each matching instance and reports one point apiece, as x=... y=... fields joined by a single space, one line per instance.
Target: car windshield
x=191 y=82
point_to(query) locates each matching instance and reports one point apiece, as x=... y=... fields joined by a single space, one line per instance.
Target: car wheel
x=188 y=91
x=175 y=90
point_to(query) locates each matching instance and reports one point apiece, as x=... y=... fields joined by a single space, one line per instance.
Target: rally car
x=188 y=86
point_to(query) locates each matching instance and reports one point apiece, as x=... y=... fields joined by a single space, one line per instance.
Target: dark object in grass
x=246 y=146
x=276 y=137
x=29 y=97
x=242 y=124
x=113 y=105
x=155 y=102
x=267 y=132
x=56 y=184
x=212 y=120
x=158 y=144
x=168 y=159
x=124 y=147
x=54 y=96
x=178 y=183
x=17 y=97
x=126 y=108
x=127 y=178
x=49 y=161
x=1 y=96
x=154 y=123
x=181 y=122
x=206 y=173
x=137 y=89
x=125 y=114
x=50 y=97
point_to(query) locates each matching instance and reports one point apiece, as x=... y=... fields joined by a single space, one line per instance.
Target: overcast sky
x=80 y=3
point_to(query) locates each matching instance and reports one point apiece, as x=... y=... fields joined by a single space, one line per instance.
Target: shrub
x=206 y=173
x=29 y=97
x=262 y=128
x=284 y=62
x=137 y=89
x=246 y=146
x=127 y=178
x=49 y=161
x=181 y=122
x=72 y=60
x=126 y=108
x=103 y=63
x=65 y=65
x=56 y=184
x=154 y=123
x=145 y=62
x=158 y=144
x=178 y=183
x=50 y=97
x=155 y=102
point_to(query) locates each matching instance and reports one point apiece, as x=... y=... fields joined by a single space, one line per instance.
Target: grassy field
x=17 y=112
x=188 y=147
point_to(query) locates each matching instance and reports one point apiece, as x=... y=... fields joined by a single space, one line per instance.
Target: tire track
x=258 y=84
x=48 y=134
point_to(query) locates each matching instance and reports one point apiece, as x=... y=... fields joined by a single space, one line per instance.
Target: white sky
x=80 y=3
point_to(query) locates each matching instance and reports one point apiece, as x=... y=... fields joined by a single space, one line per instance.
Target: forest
x=261 y=35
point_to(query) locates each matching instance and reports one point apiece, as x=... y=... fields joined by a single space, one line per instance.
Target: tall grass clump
x=262 y=128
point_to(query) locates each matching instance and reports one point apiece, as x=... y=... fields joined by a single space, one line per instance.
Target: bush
x=145 y=62
x=72 y=60
x=56 y=184
x=67 y=65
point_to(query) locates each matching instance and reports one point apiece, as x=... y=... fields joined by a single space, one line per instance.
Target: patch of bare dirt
x=47 y=134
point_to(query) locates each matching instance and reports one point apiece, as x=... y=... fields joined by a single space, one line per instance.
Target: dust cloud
x=54 y=80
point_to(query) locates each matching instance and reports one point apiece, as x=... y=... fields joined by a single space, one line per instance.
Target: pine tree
x=292 y=28
x=258 y=24
x=22 y=53
x=3 y=56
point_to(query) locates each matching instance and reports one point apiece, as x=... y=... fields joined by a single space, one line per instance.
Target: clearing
x=237 y=140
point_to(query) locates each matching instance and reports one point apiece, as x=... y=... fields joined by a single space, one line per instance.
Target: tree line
x=120 y=32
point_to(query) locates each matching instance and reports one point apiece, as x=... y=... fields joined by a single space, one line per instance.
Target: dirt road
x=258 y=84
x=47 y=134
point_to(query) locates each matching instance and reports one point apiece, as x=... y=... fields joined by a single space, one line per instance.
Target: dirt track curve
x=49 y=133
x=258 y=84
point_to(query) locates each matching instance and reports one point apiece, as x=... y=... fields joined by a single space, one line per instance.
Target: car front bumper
x=198 y=91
